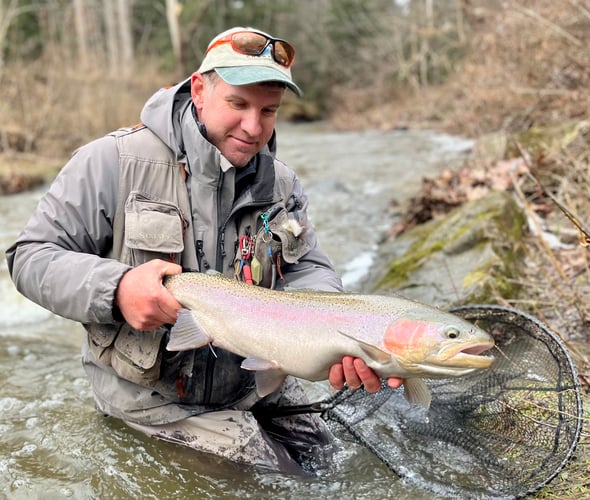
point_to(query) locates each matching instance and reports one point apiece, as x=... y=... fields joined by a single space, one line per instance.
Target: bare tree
x=172 y=13
x=81 y=31
x=110 y=23
x=125 y=38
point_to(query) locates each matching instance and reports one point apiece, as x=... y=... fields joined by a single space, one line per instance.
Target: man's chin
x=240 y=160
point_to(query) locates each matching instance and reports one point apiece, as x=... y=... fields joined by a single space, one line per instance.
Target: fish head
x=438 y=344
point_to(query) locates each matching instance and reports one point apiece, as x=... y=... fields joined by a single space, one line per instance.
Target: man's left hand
x=355 y=373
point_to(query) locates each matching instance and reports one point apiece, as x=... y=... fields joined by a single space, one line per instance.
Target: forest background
x=72 y=70
x=514 y=70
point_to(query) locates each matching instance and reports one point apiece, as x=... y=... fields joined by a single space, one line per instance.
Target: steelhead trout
x=303 y=333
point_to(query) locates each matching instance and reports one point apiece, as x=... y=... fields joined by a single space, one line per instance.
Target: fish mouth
x=468 y=357
x=471 y=356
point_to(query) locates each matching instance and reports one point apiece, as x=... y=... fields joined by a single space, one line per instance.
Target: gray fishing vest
x=153 y=220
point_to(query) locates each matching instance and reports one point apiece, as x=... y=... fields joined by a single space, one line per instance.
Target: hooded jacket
x=87 y=231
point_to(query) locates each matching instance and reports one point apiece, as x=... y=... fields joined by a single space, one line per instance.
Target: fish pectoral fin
x=186 y=334
x=259 y=364
x=376 y=354
x=417 y=392
x=269 y=376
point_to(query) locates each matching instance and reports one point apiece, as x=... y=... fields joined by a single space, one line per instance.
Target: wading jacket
x=160 y=190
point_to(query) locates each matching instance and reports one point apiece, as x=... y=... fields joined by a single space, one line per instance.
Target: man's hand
x=143 y=300
x=355 y=373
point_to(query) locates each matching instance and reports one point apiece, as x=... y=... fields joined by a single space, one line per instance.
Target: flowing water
x=53 y=444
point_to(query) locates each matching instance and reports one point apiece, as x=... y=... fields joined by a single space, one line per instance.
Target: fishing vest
x=153 y=220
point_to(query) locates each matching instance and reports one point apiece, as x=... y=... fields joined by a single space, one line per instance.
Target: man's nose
x=252 y=123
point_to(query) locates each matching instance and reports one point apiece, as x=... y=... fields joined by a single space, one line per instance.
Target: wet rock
x=469 y=256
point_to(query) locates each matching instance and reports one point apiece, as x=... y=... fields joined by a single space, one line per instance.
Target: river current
x=53 y=444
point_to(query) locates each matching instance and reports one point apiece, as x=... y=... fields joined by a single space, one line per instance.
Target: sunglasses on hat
x=252 y=43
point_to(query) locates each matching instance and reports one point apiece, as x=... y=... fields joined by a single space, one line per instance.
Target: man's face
x=239 y=119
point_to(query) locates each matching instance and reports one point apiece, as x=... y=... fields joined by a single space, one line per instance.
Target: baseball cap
x=238 y=68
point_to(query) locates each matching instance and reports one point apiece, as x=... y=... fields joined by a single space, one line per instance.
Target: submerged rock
x=472 y=255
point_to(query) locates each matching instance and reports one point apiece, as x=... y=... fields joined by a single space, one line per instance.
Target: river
x=53 y=444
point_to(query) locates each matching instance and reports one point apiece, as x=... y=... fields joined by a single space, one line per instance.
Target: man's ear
x=197 y=89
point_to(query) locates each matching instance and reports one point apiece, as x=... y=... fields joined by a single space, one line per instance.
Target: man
x=195 y=186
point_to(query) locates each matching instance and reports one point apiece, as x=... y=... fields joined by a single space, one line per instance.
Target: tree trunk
x=125 y=37
x=81 y=32
x=172 y=13
x=110 y=22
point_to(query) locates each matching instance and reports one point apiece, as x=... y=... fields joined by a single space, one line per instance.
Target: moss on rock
x=471 y=255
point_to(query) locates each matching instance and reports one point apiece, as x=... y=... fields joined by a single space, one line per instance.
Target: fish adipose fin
x=186 y=334
x=268 y=376
x=370 y=350
x=417 y=392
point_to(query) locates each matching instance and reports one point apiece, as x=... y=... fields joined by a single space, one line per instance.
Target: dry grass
x=53 y=108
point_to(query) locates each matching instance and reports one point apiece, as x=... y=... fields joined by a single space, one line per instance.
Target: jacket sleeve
x=313 y=271
x=61 y=258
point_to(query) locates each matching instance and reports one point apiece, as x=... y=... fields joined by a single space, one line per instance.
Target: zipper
x=203 y=264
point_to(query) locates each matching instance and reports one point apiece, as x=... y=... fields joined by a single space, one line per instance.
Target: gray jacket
x=73 y=251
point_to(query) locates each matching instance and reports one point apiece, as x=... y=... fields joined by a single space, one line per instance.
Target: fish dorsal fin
x=186 y=334
x=417 y=392
x=370 y=350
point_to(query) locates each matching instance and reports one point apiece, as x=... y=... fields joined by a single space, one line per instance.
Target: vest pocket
x=153 y=228
x=137 y=356
x=100 y=340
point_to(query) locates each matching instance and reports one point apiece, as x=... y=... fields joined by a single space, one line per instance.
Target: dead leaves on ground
x=452 y=188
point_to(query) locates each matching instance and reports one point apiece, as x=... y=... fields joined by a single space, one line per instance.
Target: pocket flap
x=102 y=335
x=153 y=225
x=141 y=348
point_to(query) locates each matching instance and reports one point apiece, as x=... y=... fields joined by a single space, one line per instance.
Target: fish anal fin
x=186 y=334
x=373 y=352
x=417 y=392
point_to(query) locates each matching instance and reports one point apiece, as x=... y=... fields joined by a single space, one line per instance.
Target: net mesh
x=501 y=433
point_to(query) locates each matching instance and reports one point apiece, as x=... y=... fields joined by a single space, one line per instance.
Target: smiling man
x=195 y=186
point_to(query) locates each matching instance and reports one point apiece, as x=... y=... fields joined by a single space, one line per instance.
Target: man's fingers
x=394 y=382
x=368 y=377
x=168 y=268
x=350 y=373
x=336 y=376
x=142 y=298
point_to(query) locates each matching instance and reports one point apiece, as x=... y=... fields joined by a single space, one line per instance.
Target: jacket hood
x=163 y=112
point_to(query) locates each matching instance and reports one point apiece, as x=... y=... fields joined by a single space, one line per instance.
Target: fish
x=303 y=332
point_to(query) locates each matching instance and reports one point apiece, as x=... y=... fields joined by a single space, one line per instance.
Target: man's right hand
x=143 y=300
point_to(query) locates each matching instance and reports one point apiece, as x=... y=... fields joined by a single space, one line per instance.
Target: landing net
x=501 y=433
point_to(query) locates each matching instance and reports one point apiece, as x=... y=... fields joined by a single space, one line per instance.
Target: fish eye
x=452 y=332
